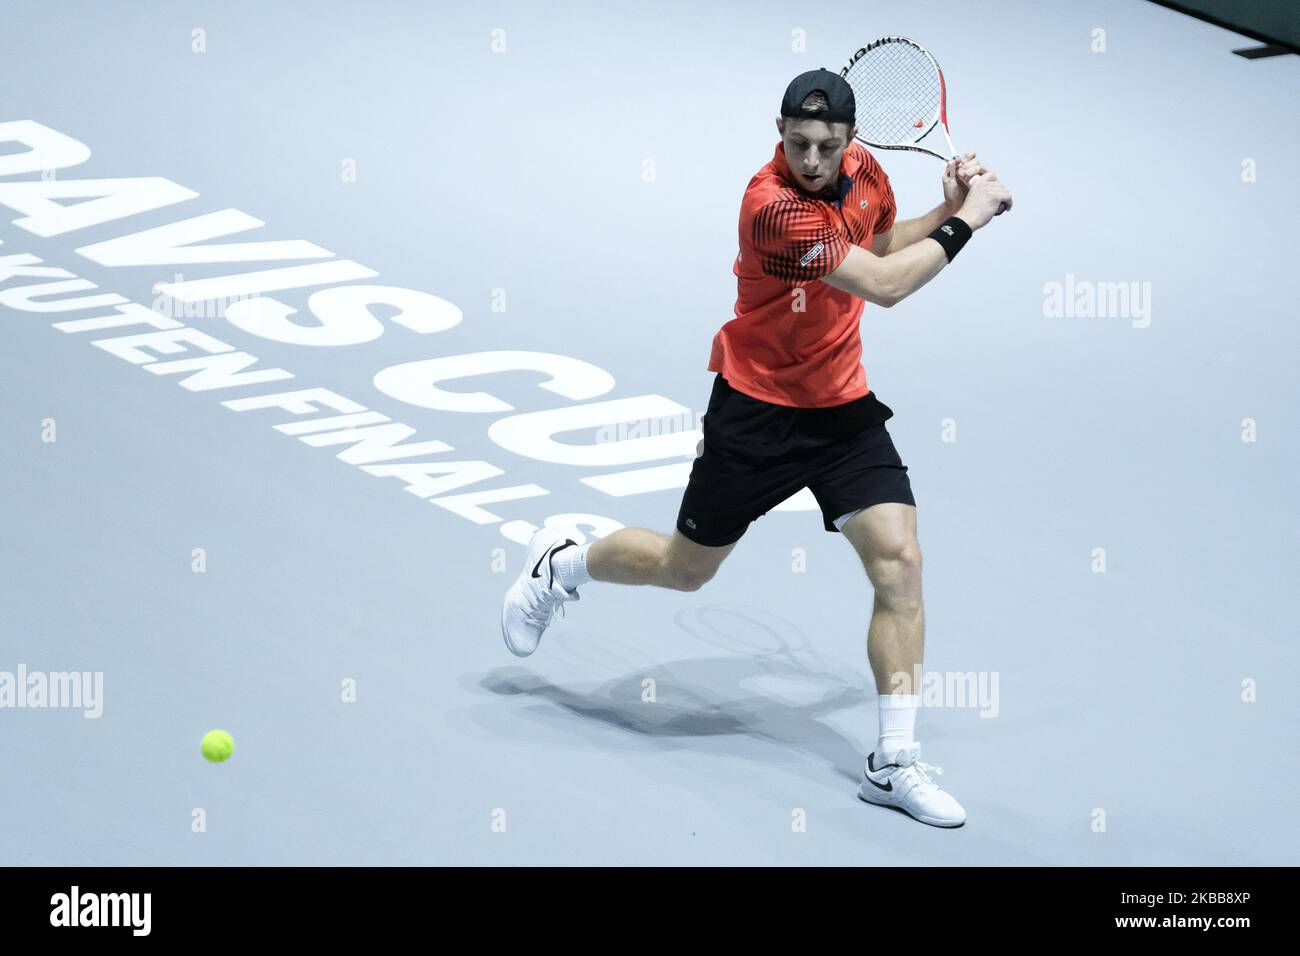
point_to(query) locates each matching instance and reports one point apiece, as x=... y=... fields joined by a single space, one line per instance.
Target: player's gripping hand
x=957 y=176
x=984 y=200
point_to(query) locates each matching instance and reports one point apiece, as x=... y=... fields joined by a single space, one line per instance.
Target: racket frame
x=941 y=117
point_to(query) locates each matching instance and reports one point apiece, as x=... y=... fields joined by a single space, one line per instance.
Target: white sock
x=571 y=566
x=897 y=724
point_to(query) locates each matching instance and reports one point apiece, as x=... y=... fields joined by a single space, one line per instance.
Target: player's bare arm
x=889 y=279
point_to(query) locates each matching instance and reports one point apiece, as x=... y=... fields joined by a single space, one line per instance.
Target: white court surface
x=567 y=184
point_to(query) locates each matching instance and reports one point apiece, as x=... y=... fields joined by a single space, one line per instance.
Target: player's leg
x=884 y=537
x=639 y=556
x=557 y=565
x=866 y=495
x=730 y=485
x=726 y=491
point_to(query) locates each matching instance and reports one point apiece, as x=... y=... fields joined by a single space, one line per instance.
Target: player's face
x=813 y=149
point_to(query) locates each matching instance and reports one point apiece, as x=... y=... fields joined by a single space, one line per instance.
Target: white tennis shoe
x=532 y=601
x=905 y=783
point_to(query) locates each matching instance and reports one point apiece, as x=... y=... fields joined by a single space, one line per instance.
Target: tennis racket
x=901 y=97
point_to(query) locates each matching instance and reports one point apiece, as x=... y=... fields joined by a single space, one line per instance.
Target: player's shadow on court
x=772 y=688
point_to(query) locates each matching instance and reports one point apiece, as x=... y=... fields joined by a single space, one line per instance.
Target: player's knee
x=690 y=578
x=909 y=562
x=896 y=571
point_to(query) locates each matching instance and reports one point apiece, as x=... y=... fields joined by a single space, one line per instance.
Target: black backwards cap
x=838 y=93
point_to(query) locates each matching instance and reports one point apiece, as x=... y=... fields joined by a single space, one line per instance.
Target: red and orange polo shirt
x=801 y=348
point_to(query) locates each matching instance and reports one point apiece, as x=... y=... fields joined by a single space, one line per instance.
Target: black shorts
x=757 y=454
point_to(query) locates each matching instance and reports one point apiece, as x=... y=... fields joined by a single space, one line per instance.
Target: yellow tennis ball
x=217 y=745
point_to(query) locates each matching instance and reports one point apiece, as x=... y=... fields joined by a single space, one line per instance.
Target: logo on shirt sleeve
x=812 y=253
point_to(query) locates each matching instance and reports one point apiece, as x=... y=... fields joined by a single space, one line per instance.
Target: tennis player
x=790 y=408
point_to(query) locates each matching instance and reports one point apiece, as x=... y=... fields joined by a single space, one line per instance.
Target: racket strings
x=898 y=93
